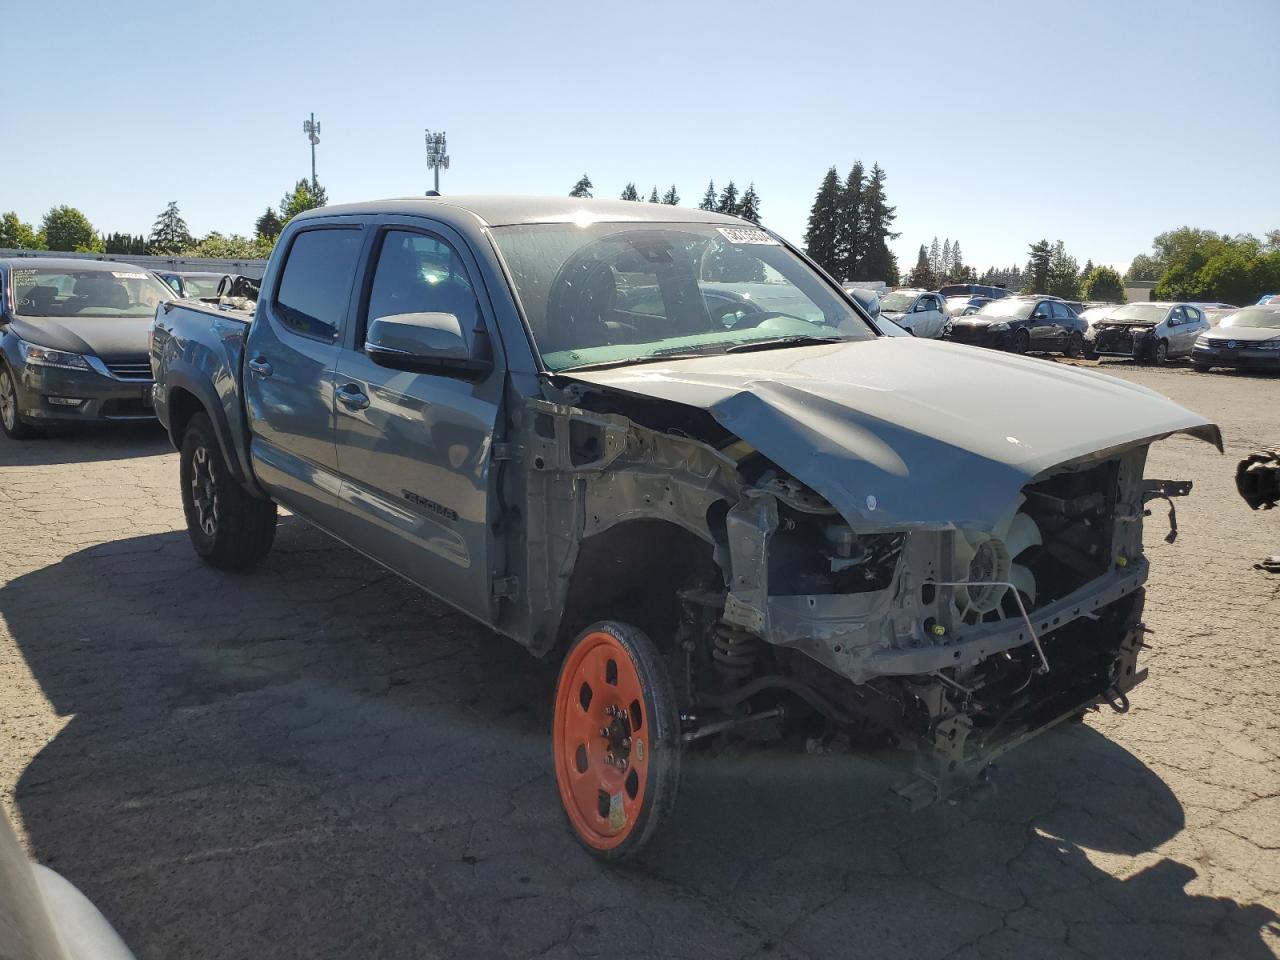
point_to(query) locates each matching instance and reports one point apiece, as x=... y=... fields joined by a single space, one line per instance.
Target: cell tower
x=312 y=129
x=437 y=158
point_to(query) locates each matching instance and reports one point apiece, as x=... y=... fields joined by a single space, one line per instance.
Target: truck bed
x=197 y=350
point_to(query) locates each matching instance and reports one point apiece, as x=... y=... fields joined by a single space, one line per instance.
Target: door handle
x=352 y=397
x=259 y=367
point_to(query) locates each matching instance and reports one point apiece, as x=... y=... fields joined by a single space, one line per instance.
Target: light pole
x=312 y=129
x=437 y=158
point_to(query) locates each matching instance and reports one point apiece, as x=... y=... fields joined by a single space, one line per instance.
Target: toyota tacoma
x=539 y=411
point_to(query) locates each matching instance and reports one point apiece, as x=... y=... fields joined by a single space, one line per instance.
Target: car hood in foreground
x=111 y=338
x=1242 y=334
x=900 y=433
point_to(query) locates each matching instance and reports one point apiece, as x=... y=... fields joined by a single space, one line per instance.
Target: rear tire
x=1075 y=346
x=11 y=421
x=229 y=528
x=616 y=740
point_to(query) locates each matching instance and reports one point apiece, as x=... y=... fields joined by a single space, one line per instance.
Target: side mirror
x=423 y=343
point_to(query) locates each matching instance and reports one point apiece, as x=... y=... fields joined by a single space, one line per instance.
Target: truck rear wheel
x=616 y=737
x=229 y=528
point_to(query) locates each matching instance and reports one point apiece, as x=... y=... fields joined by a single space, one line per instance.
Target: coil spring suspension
x=734 y=651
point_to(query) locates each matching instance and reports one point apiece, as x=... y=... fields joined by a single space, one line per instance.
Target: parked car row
x=1154 y=332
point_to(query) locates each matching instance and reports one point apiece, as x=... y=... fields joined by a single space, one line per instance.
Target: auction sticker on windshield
x=129 y=276
x=746 y=235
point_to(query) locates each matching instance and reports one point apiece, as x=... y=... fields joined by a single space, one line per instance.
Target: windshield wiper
x=775 y=342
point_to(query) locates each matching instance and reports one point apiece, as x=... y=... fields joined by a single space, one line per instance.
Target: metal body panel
x=901 y=433
x=415 y=466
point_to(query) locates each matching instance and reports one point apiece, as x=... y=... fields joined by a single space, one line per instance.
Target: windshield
x=1254 y=317
x=41 y=292
x=201 y=286
x=900 y=301
x=613 y=292
x=1008 y=309
x=1141 y=312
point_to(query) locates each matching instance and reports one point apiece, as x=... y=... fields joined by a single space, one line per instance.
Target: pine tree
x=629 y=192
x=958 y=269
x=728 y=202
x=582 y=189
x=671 y=198
x=1086 y=270
x=305 y=195
x=1064 y=273
x=935 y=258
x=268 y=226
x=1037 y=273
x=169 y=234
x=944 y=270
x=851 y=240
x=709 y=198
x=653 y=196
x=921 y=275
x=749 y=205
x=822 y=236
x=879 y=263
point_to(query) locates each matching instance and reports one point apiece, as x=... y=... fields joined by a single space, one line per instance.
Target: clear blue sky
x=1099 y=122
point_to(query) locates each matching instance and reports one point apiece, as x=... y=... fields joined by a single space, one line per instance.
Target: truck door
x=289 y=358
x=415 y=449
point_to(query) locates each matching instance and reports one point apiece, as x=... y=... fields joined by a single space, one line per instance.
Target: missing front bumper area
x=963 y=730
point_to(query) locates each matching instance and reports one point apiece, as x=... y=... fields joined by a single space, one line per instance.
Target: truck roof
x=496 y=211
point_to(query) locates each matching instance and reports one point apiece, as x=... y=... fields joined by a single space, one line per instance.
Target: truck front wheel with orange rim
x=616 y=735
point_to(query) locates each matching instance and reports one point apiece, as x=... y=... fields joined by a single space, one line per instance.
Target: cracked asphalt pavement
x=316 y=760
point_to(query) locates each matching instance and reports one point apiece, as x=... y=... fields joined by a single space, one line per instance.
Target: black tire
x=1075 y=345
x=1021 y=342
x=650 y=754
x=11 y=422
x=229 y=528
x=1201 y=367
x=1160 y=353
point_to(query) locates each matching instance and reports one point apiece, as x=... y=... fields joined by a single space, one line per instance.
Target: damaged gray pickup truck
x=661 y=446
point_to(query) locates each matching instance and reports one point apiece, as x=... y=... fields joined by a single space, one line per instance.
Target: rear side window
x=316 y=283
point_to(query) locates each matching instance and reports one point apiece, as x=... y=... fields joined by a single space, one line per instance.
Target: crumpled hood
x=899 y=433
x=111 y=338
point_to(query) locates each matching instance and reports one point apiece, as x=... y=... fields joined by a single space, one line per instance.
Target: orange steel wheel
x=616 y=739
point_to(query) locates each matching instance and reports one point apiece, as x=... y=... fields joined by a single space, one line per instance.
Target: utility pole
x=312 y=129
x=437 y=158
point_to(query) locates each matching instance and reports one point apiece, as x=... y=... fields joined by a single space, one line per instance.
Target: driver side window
x=420 y=273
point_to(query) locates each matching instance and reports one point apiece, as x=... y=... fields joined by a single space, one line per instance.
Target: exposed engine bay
x=958 y=641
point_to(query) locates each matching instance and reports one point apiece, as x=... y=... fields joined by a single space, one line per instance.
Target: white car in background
x=917 y=311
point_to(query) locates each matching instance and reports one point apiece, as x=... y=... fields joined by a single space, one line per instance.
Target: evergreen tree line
x=65 y=228
x=850 y=226
x=744 y=204
x=939 y=265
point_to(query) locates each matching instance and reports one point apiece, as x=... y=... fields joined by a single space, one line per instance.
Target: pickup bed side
x=196 y=355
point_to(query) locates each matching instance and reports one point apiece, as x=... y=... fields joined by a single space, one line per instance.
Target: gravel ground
x=314 y=760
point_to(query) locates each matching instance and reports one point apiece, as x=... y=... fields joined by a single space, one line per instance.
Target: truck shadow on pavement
x=317 y=760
